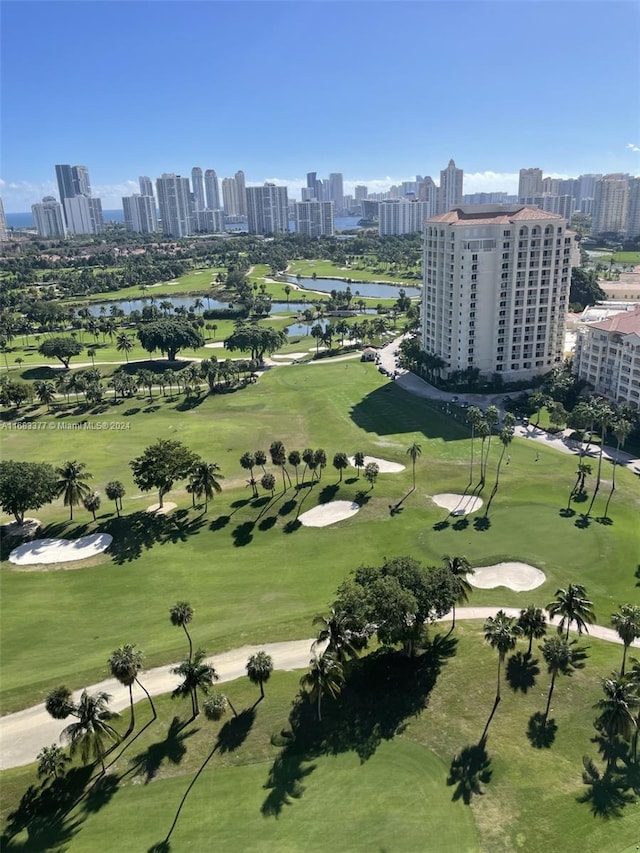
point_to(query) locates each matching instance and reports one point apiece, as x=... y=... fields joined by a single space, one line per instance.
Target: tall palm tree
x=91 y=503
x=561 y=658
x=491 y=417
x=533 y=624
x=459 y=567
x=358 y=461
x=572 y=605
x=248 y=462
x=115 y=491
x=604 y=414
x=125 y=664
x=72 y=484
x=501 y=632
x=46 y=392
x=124 y=344
x=414 y=453
x=340 y=462
x=621 y=429
x=259 y=669
x=474 y=417
x=205 y=480
x=325 y=676
x=261 y=459
x=617 y=711
x=279 y=459
x=626 y=621
x=506 y=437
x=339 y=634
x=196 y=675
x=294 y=459
x=181 y=613
x=92 y=730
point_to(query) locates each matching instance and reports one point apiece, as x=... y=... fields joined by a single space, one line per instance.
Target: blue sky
x=379 y=91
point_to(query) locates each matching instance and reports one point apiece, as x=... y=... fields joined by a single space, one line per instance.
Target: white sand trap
x=326 y=514
x=216 y=345
x=289 y=355
x=517 y=576
x=384 y=465
x=462 y=504
x=166 y=507
x=49 y=551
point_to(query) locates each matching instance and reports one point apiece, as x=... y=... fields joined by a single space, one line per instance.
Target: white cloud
x=632 y=147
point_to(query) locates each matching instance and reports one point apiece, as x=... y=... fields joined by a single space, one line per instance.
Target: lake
x=375 y=289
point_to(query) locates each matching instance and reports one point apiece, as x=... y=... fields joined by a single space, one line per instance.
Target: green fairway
x=326 y=269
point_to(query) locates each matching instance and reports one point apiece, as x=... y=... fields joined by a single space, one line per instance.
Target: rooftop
x=624 y=323
x=493 y=214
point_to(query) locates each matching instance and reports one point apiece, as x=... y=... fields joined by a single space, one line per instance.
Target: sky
x=380 y=91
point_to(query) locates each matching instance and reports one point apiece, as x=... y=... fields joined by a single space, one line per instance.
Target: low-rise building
x=607 y=356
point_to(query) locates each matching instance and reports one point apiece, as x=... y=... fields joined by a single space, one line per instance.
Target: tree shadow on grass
x=328 y=493
x=583 y=521
x=287 y=507
x=604 y=520
x=541 y=731
x=521 y=672
x=482 y=523
x=441 y=525
x=220 y=522
x=171 y=749
x=460 y=524
x=361 y=498
x=470 y=769
x=607 y=793
x=567 y=512
x=243 y=534
x=267 y=523
x=292 y=525
x=382 y=691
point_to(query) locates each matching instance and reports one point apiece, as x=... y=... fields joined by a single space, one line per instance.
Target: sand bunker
x=49 y=551
x=166 y=507
x=458 y=504
x=384 y=465
x=326 y=514
x=517 y=576
x=289 y=355
x=216 y=345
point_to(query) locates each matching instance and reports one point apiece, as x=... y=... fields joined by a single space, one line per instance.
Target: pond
x=104 y=309
x=375 y=289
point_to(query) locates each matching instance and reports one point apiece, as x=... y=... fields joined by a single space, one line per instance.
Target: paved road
x=23 y=734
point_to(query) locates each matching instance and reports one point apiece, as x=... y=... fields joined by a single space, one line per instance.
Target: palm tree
x=320 y=460
x=491 y=419
x=124 y=344
x=460 y=568
x=268 y=483
x=294 y=459
x=205 y=481
x=371 y=472
x=91 y=503
x=561 y=658
x=71 y=484
x=626 y=621
x=573 y=606
x=51 y=761
x=181 y=613
x=248 y=462
x=46 y=392
x=279 y=458
x=92 y=730
x=604 y=414
x=259 y=669
x=338 y=633
x=358 y=461
x=196 y=675
x=261 y=459
x=506 y=437
x=474 y=417
x=124 y=664
x=326 y=676
x=414 y=453
x=59 y=703
x=115 y=491
x=340 y=463
x=197 y=304
x=533 y=624
x=621 y=429
x=617 y=718
x=501 y=632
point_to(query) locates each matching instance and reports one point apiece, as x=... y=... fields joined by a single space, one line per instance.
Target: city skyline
x=379 y=113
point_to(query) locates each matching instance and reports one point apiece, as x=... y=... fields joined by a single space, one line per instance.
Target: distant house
x=608 y=357
x=369 y=354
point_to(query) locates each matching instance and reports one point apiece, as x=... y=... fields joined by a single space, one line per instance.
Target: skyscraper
x=146 y=186
x=401 y=216
x=314 y=218
x=633 y=215
x=73 y=181
x=336 y=191
x=83 y=215
x=496 y=289
x=197 y=185
x=230 y=200
x=48 y=217
x=530 y=182
x=242 y=192
x=212 y=190
x=312 y=184
x=450 y=192
x=174 y=201
x=267 y=209
x=610 y=204
x=140 y=214
x=3 y=224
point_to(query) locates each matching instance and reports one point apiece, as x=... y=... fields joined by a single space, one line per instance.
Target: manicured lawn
x=618 y=257
x=326 y=269
x=196 y=282
x=248 y=578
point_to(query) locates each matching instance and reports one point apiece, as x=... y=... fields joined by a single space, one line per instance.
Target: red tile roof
x=625 y=323
x=488 y=215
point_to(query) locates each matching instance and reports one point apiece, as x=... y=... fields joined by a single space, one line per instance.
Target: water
x=103 y=309
x=374 y=289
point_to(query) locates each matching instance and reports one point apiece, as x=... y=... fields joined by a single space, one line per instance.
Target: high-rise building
x=401 y=216
x=336 y=192
x=610 y=204
x=230 y=200
x=586 y=187
x=428 y=193
x=607 y=356
x=267 y=209
x=72 y=181
x=633 y=214
x=174 y=201
x=314 y=218
x=140 y=214
x=3 y=224
x=83 y=215
x=450 y=192
x=209 y=221
x=197 y=185
x=212 y=190
x=48 y=217
x=551 y=186
x=312 y=184
x=529 y=182
x=361 y=192
x=146 y=186
x=242 y=192
x=496 y=289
